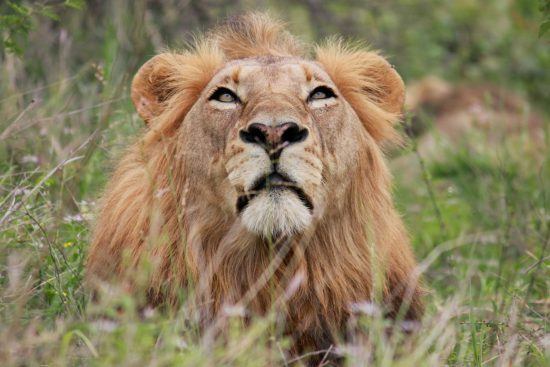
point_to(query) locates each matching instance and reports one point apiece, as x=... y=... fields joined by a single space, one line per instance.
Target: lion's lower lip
x=304 y=198
x=273 y=181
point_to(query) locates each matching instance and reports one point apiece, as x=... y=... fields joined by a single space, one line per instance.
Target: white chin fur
x=276 y=213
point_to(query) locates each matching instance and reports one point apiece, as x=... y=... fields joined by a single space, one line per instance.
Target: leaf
x=544 y=27
x=49 y=12
x=20 y=8
x=75 y=4
x=13 y=47
x=16 y=21
x=545 y=10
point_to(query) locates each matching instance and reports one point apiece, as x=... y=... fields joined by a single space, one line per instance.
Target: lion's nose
x=273 y=137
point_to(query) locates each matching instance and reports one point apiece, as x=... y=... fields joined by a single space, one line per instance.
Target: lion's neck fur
x=324 y=271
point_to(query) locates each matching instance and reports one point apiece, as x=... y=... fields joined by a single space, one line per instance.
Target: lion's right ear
x=182 y=76
x=152 y=86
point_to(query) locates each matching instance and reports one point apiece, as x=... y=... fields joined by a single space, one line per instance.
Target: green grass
x=480 y=220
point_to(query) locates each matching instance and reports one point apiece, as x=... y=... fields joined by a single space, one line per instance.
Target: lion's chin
x=276 y=213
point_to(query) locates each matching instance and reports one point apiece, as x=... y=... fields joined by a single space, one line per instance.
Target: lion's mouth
x=273 y=181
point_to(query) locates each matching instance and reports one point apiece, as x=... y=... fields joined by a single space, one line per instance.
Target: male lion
x=260 y=182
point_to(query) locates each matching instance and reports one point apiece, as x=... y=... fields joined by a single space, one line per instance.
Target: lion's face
x=277 y=124
x=272 y=141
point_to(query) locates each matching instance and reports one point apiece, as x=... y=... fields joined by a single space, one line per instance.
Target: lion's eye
x=321 y=92
x=224 y=95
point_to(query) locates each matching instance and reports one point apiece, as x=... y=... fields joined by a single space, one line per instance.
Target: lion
x=260 y=181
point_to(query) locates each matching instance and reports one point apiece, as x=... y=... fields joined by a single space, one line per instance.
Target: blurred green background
x=492 y=40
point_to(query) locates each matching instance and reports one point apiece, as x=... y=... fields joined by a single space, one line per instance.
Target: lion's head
x=275 y=135
x=249 y=140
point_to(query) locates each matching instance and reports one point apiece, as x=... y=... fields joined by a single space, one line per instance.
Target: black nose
x=273 y=137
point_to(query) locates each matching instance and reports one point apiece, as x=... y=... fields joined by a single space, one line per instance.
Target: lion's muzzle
x=273 y=203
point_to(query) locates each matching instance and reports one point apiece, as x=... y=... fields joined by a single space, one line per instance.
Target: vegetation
x=480 y=219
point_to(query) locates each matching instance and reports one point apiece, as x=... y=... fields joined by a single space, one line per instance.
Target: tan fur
x=170 y=203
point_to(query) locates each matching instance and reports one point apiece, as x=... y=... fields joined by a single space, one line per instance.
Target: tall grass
x=479 y=219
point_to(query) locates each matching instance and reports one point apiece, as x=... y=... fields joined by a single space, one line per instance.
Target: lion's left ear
x=369 y=83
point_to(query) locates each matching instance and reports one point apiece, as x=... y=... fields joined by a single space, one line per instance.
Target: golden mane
x=255 y=34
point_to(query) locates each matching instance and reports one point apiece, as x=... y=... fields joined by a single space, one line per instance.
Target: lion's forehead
x=271 y=74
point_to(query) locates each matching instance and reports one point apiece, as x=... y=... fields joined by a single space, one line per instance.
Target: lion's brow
x=235 y=74
x=307 y=72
